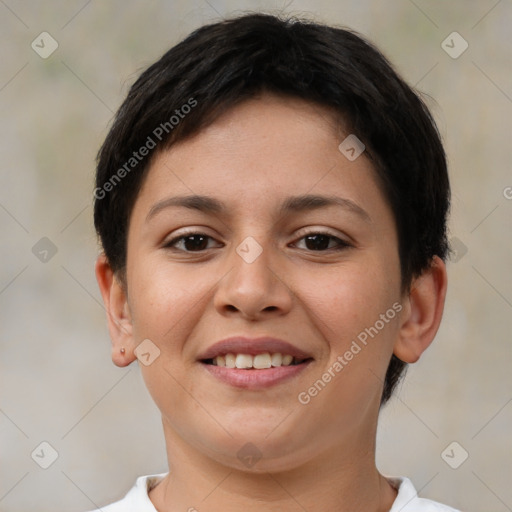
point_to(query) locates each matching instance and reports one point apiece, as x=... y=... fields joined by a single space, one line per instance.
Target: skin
x=315 y=457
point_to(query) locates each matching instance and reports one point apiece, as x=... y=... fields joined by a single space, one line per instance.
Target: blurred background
x=76 y=430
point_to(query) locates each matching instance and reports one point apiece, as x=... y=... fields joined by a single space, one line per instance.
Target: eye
x=192 y=241
x=319 y=241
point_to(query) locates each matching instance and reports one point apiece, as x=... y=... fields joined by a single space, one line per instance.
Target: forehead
x=259 y=152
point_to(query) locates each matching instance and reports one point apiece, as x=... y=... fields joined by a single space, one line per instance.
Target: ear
x=118 y=312
x=423 y=310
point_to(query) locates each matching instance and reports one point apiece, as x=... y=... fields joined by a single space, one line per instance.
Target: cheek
x=166 y=308
x=351 y=297
x=348 y=303
x=161 y=299
x=356 y=311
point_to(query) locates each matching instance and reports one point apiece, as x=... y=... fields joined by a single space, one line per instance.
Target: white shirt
x=407 y=500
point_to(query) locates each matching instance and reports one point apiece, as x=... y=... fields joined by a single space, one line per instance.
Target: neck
x=344 y=479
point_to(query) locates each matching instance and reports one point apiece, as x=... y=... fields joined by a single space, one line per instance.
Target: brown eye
x=320 y=242
x=190 y=242
x=315 y=241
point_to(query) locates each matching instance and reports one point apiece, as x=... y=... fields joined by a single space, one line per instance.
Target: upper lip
x=252 y=346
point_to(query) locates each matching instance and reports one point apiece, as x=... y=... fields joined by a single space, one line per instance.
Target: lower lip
x=255 y=379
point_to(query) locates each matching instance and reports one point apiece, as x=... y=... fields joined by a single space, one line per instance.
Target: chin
x=254 y=451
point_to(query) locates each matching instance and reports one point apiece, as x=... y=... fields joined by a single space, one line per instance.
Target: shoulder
x=137 y=498
x=408 y=500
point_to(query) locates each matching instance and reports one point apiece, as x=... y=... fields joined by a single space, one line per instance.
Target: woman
x=271 y=201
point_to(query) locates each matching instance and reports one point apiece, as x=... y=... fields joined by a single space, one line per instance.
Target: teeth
x=259 y=362
x=243 y=361
x=277 y=359
x=262 y=361
x=287 y=359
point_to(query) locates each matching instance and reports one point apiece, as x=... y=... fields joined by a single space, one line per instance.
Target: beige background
x=57 y=383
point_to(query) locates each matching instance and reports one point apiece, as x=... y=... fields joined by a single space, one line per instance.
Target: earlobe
x=118 y=312
x=423 y=310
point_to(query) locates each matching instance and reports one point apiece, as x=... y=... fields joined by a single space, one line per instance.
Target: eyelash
x=341 y=243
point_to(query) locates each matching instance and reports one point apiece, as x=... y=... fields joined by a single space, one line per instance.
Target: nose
x=255 y=286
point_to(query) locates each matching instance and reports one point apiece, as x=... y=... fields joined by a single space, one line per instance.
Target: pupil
x=317 y=245
x=196 y=245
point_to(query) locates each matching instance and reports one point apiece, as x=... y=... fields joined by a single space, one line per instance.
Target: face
x=325 y=278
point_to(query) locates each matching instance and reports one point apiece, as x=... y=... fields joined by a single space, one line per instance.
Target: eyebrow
x=295 y=204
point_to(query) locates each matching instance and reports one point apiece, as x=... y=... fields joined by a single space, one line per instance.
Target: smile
x=254 y=372
x=256 y=362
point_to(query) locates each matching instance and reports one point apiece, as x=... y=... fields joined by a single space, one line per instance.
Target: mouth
x=263 y=361
x=254 y=363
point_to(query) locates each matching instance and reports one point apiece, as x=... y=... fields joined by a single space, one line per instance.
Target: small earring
x=122 y=350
